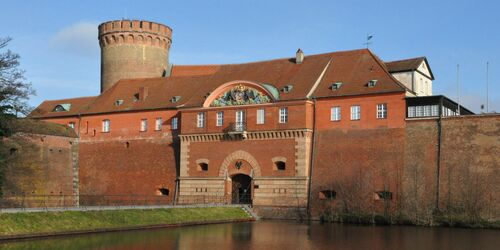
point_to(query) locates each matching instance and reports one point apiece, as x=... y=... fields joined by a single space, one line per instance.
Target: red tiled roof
x=194 y=70
x=408 y=65
x=78 y=105
x=194 y=83
x=404 y=65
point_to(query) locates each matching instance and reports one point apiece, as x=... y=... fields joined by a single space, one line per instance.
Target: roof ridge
x=74 y=98
x=272 y=60
x=407 y=59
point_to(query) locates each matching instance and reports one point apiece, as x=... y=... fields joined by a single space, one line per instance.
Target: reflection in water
x=276 y=235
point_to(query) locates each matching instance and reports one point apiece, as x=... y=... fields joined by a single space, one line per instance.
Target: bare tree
x=14 y=90
x=14 y=94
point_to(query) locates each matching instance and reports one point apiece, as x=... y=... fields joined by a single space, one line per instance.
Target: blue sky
x=57 y=40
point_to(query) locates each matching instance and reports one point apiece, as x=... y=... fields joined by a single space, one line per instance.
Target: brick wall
x=469 y=169
x=40 y=170
x=128 y=168
x=355 y=164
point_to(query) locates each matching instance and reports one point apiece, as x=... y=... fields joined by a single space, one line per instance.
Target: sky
x=57 y=40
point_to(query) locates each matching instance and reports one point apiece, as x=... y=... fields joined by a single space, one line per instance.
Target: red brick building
x=280 y=134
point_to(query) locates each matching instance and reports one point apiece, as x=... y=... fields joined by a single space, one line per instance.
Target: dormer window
x=62 y=107
x=336 y=86
x=372 y=83
x=118 y=102
x=136 y=97
x=175 y=99
x=287 y=89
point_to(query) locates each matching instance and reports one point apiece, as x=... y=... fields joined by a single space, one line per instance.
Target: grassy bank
x=51 y=222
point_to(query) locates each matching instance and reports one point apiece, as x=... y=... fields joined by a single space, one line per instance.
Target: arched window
x=327 y=195
x=202 y=166
x=164 y=191
x=279 y=165
x=383 y=195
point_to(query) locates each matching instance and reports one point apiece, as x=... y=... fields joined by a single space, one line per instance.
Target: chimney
x=299 y=56
x=143 y=93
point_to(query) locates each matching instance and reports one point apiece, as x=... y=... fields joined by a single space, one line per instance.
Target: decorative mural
x=240 y=95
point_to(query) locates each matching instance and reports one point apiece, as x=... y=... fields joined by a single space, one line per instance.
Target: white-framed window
x=158 y=123
x=335 y=114
x=219 y=119
x=240 y=124
x=435 y=110
x=427 y=110
x=283 y=115
x=411 y=111
x=175 y=123
x=71 y=125
x=144 y=125
x=200 y=121
x=261 y=114
x=382 y=111
x=419 y=111
x=105 y=125
x=355 y=112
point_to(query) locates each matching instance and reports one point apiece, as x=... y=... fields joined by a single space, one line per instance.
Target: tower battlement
x=135 y=32
x=133 y=49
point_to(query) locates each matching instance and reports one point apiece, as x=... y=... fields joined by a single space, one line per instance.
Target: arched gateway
x=241 y=189
x=239 y=168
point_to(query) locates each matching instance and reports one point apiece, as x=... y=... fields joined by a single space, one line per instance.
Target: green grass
x=49 y=222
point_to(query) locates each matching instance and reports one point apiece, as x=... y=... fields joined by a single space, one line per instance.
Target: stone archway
x=241 y=189
x=240 y=155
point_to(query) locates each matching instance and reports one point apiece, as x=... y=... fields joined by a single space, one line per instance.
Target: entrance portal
x=241 y=189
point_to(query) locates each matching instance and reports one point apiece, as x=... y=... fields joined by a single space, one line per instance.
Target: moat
x=276 y=235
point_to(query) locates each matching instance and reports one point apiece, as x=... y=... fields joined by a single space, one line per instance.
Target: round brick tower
x=133 y=49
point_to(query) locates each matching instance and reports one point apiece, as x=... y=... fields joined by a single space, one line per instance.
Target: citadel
x=341 y=132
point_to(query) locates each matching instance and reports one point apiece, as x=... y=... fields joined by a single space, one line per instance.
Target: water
x=276 y=235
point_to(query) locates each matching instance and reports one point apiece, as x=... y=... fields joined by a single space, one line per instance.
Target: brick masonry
x=32 y=161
